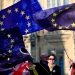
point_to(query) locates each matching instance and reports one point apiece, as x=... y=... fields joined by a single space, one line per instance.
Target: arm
x=70 y=61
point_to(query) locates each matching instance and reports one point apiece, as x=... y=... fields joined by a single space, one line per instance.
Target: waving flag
x=20 y=14
x=21 y=69
x=58 y=18
x=12 y=51
x=72 y=69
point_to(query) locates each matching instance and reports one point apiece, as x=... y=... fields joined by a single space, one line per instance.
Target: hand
x=70 y=61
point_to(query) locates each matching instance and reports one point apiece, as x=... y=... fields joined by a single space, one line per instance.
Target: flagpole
x=62 y=45
x=37 y=50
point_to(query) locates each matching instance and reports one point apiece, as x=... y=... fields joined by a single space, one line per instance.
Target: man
x=72 y=67
x=43 y=62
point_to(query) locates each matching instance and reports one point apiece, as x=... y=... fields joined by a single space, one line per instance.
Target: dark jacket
x=44 y=70
x=56 y=71
x=40 y=67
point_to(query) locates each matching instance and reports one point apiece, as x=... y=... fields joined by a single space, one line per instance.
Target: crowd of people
x=47 y=66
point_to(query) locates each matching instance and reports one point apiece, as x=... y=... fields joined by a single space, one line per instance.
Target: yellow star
x=66 y=8
x=8 y=58
x=26 y=30
x=12 y=40
x=60 y=10
x=16 y=10
x=22 y=12
x=27 y=17
x=3 y=16
x=53 y=20
x=54 y=14
x=67 y=27
x=29 y=24
x=1 y=23
x=60 y=27
x=73 y=24
x=55 y=25
x=10 y=51
x=9 y=36
x=2 y=29
x=11 y=46
x=9 y=11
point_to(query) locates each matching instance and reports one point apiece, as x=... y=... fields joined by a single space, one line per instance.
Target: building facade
x=43 y=41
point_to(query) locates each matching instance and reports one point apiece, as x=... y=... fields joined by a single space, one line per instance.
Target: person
x=72 y=67
x=43 y=62
x=52 y=68
x=32 y=69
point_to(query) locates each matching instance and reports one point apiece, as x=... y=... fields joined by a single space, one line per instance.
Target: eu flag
x=58 y=18
x=12 y=48
x=20 y=14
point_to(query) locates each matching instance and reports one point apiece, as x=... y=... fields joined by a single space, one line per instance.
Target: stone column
x=0 y=4
x=7 y=3
x=69 y=47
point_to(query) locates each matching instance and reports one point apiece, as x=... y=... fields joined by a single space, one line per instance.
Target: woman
x=52 y=68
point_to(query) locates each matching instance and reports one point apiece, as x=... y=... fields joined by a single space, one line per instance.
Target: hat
x=43 y=55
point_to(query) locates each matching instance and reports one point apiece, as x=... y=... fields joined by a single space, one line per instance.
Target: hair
x=43 y=55
x=52 y=55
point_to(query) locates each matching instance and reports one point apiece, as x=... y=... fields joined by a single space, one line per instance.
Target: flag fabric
x=21 y=69
x=12 y=49
x=72 y=69
x=20 y=14
x=14 y=19
x=57 y=18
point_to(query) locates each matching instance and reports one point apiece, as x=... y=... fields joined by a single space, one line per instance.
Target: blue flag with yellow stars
x=20 y=14
x=58 y=18
x=12 y=49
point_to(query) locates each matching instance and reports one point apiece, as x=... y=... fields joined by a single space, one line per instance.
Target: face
x=51 y=60
x=44 y=58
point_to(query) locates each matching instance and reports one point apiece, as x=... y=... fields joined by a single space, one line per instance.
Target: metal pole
x=62 y=45
x=36 y=44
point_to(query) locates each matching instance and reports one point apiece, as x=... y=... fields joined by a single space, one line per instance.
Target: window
x=48 y=3
x=58 y=2
x=61 y=65
x=56 y=61
x=53 y=3
x=66 y=1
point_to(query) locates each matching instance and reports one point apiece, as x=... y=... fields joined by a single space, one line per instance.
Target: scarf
x=34 y=71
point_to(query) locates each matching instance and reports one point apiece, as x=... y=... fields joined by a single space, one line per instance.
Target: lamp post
x=34 y=41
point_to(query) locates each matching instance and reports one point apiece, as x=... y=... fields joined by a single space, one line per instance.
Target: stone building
x=44 y=41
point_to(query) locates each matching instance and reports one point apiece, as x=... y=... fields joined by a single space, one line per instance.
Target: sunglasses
x=50 y=59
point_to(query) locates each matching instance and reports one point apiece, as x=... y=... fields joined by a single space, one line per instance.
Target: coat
x=44 y=70
x=56 y=71
x=40 y=68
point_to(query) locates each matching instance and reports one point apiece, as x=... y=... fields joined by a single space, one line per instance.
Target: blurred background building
x=45 y=41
